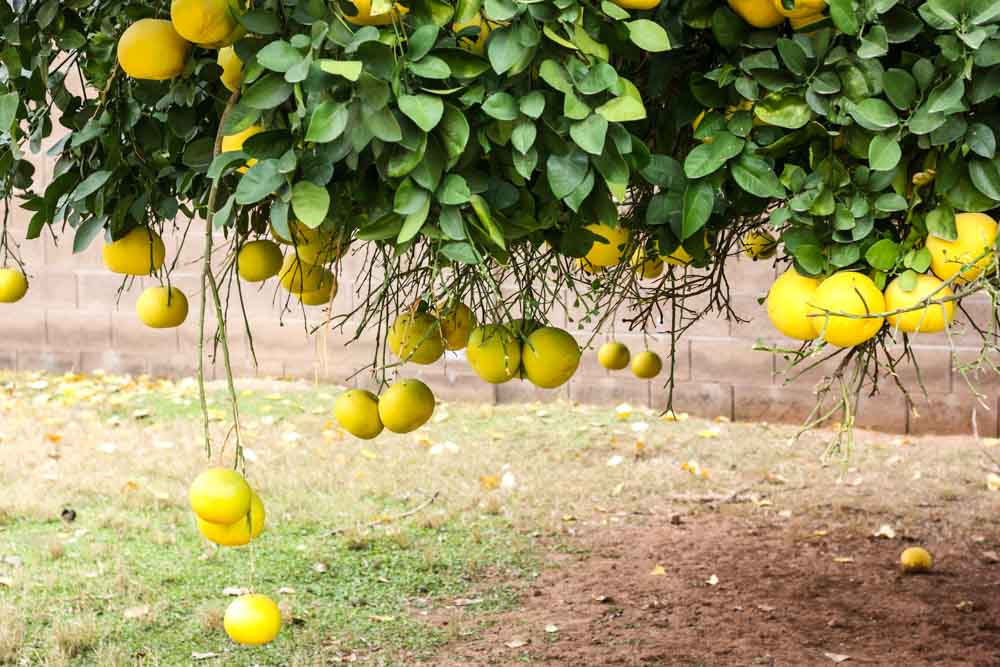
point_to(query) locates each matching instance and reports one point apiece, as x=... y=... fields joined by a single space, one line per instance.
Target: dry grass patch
x=12 y=633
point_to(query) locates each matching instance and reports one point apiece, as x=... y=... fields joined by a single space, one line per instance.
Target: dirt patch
x=786 y=594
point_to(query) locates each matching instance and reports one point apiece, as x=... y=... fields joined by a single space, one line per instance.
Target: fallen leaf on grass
x=136 y=612
x=671 y=416
x=713 y=580
x=204 y=656
x=517 y=643
x=6 y=581
x=508 y=482
x=837 y=657
x=886 y=531
x=319 y=568
x=368 y=454
x=130 y=487
x=467 y=602
x=993 y=482
x=551 y=628
x=658 y=571
x=235 y=591
x=709 y=433
x=843 y=559
x=286 y=590
x=382 y=619
x=695 y=469
x=489 y=482
x=991 y=557
x=53 y=437
x=623 y=411
x=616 y=460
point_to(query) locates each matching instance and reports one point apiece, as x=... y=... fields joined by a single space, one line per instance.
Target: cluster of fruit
x=772 y=13
x=229 y=513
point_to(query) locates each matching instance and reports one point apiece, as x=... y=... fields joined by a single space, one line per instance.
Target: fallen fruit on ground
x=239 y=533
x=788 y=304
x=851 y=293
x=356 y=410
x=916 y=560
x=162 y=307
x=259 y=260
x=614 y=356
x=138 y=253
x=550 y=357
x=647 y=365
x=252 y=620
x=931 y=318
x=977 y=236
x=406 y=406
x=13 y=285
x=220 y=495
x=151 y=49
x=416 y=337
x=494 y=353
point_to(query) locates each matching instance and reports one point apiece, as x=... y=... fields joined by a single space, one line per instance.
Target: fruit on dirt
x=494 y=353
x=138 y=253
x=759 y=245
x=788 y=304
x=232 y=68
x=208 y=23
x=220 y=495
x=457 y=324
x=252 y=620
x=298 y=277
x=550 y=357
x=916 y=560
x=852 y=293
x=234 y=142
x=13 y=285
x=931 y=318
x=647 y=265
x=356 y=410
x=610 y=251
x=647 y=365
x=475 y=45
x=758 y=13
x=638 y=4
x=416 y=337
x=614 y=356
x=162 y=307
x=151 y=49
x=239 y=533
x=406 y=406
x=321 y=296
x=364 y=15
x=977 y=234
x=259 y=260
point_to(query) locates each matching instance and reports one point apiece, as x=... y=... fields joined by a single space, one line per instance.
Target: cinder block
x=75 y=328
x=783 y=405
x=620 y=387
x=113 y=362
x=730 y=360
x=131 y=335
x=53 y=361
x=23 y=330
x=704 y=399
x=946 y=414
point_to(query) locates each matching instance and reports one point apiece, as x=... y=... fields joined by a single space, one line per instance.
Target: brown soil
x=782 y=598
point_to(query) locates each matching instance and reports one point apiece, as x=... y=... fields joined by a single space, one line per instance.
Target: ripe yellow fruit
x=364 y=15
x=151 y=49
x=301 y=235
x=916 y=560
x=758 y=13
x=416 y=337
x=977 y=233
x=356 y=410
x=162 y=308
x=456 y=326
x=259 y=260
x=614 y=356
x=798 y=23
x=322 y=296
x=929 y=319
x=13 y=285
x=298 y=277
x=239 y=533
x=638 y=4
x=647 y=365
x=494 y=353
x=322 y=249
x=611 y=251
x=232 y=143
x=208 y=23
x=647 y=266
x=138 y=253
x=232 y=68
x=587 y=267
x=406 y=406
x=477 y=45
x=220 y=495
x=801 y=10
x=550 y=357
x=788 y=304
x=252 y=620
x=847 y=292
x=759 y=245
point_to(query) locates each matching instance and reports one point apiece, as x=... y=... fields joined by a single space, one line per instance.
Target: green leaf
x=566 y=172
x=240 y=118
x=223 y=214
x=9 y=104
x=451 y=223
x=522 y=137
x=328 y=122
x=890 y=203
x=941 y=223
x=260 y=21
x=223 y=160
x=90 y=185
x=430 y=67
x=87 y=232
x=349 y=69
x=614 y=11
x=900 y=88
x=884 y=153
x=874 y=114
x=842 y=256
x=708 y=158
x=453 y=191
x=757 y=177
x=875 y=44
x=844 y=17
x=664 y=172
x=809 y=258
x=414 y=222
x=883 y=255
x=267 y=92
x=590 y=134
x=985 y=175
x=699 y=200
x=424 y=110
x=648 y=35
x=410 y=198
x=259 y=182
x=454 y=132
x=981 y=140
x=310 y=203
x=946 y=97
x=463 y=65
x=198 y=153
x=554 y=74
x=461 y=251
x=421 y=41
x=501 y=106
x=622 y=109
x=279 y=56
x=788 y=111
x=482 y=210
x=383 y=125
x=381 y=229
x=532 y=104
x=504 y=50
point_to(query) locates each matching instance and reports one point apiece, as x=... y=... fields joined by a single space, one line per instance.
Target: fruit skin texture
x=234 y=142
x=929 y=319
x=162 y=308
x=637 y=4
x=13 y=285
x=151 y=49
x=321 y=296
x=356 y=410
x=364 y=16
x=259 y=260
x=916 y=560
x=456 y=326
x=759 y=245
x=138 y=253
x=416 y=337
x=758 y=13
x=847 y=292
x=478 y=45
x=298 y=277
x=604 y=254
x=647 y=266
x=614 y=356
x=220 y=495
x=647 y=365
x=239 y=533
x=208 y=23
x=788 y=304
x=320 y=250
x=406 y=406
x=494 y=353
x=550 y=357
x=232 y=68
x=976 y=233
x=252 y=620
x=803 y=8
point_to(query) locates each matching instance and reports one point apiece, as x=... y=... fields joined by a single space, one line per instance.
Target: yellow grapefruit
x=138 y=253
x=406 y=406
x=456 y=326
x=13 y=285
x=977 y=234
x=647 y=365
x=259 y=260
x=151 y=49
x=802 y=8
x=494 y=353
x=220 y=495
x=646 y=265
x=847 y=292
x=321 y=296
x=614 y=356
x=298 y=277
x=550 y=357
x=232 y=143
x=239 y=533
x=610 y=251
x=932 y=318
x=477 y=45
x=208 y=23
x=759 y=245
x=252 y=620
x=162 y=307
x=758 y=13
x=232 y=68
x=416 y=337
x=788 y=304
x=641 y=5
x=364 y=15
x=356 y=410
x=916 y=560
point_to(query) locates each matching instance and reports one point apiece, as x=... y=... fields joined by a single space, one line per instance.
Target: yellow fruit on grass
x=758 y=13
x=647 y=266
x=259 y=260
x=647 y=365
x=356 y=410
x=232 y=68
x=494 y=353
x=13 y=285
x=977 y=233
x=477 y=45
x=638 y=4
x=456 y=326
x=234 y=142
x=801 y=9
x=788 y=304
x=614 y=356
x=932 y=318
x=239 y=533
x=161 y=307
x=220 y=495
x=208 y=23
x=364 y=15
x=252 y=620
x=550 y=357
x=760 y=245
x=916 y=560
x=610 y=251
x=151 y=49
x=847 y=292
x=138 y=253
x=406 y=406
x=416 y=337
x=321 y=296
x=298 y=277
